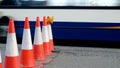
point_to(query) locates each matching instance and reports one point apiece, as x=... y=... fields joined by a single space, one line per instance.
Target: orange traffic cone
x=45 y=37
x=11 y=53
x=27 y=55
x=38 y=42
x=0 y=61
x=50 y=34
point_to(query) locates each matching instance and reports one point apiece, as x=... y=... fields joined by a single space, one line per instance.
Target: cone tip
x=48 y=20
x=26 y=18
x=11 y=28
x=37 y=21
x=11 y=19
x=37 y=17
x=26 y=26
x=44 y=21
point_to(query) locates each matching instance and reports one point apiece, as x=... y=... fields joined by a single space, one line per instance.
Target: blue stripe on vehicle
x=77 y=30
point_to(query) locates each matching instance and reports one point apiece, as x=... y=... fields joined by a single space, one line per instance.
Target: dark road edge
x=78 y=43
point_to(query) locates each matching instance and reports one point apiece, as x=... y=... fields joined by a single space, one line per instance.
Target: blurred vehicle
x=33 y=2
x=83 y=24
x=95 y=22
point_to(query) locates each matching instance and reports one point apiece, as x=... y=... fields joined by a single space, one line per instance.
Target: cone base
x=52 y=44
x=27 y=59
x=12 y=62
x=0 y=65
x=47 y=49
x=39 y=52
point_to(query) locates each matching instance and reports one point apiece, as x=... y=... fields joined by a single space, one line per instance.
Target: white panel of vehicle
x=66 y=15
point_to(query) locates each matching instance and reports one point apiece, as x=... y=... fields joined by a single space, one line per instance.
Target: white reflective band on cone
x=45 y=34
x=0 y=57
x=11 y=45
x=38 y=36
x=26 y=41
x=50 y=32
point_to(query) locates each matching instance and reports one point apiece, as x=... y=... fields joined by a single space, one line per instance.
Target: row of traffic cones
x=43 y=45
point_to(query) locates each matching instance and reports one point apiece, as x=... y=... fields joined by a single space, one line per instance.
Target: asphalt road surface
x=81 y=57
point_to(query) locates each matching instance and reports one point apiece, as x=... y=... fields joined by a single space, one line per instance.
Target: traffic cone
x=45 y=37
x=50 y=33
x=0 y=61
x=27 y=54
x=11 y=53
x=38 y=42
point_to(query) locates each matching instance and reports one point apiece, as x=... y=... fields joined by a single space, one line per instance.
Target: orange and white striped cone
x=38 y=42
x=50 y=34
x=27 y=54
x=11 y=53
x=45 y=37
x=0 y=60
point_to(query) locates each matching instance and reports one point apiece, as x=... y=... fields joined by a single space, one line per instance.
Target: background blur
x=61 y=2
